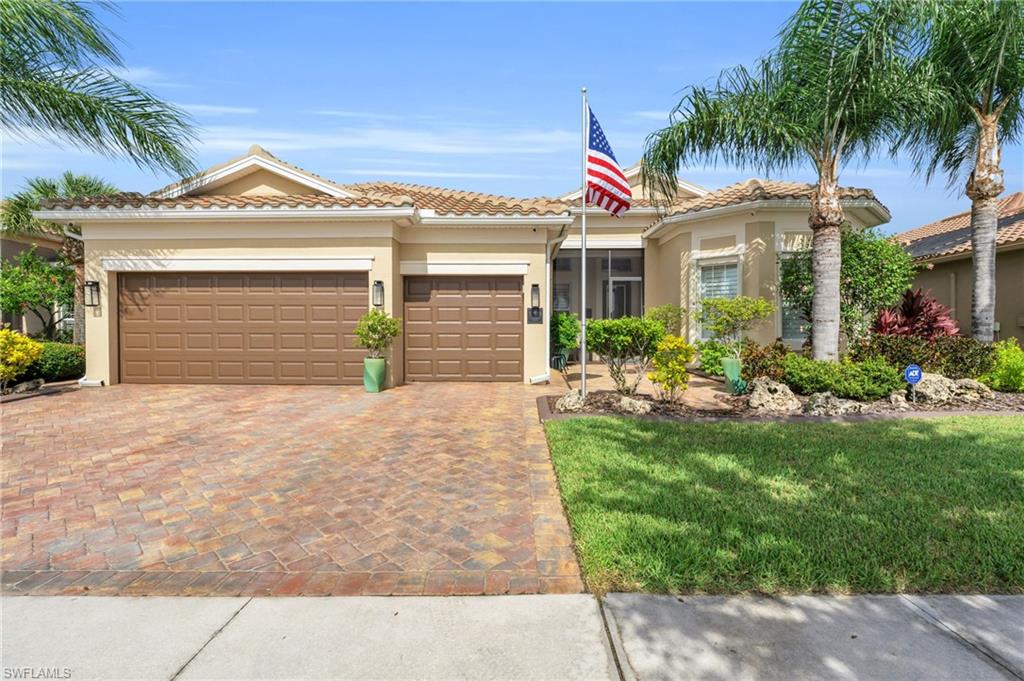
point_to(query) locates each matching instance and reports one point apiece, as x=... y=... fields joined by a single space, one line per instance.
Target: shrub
x=623 y=341
x=763 y=360
x=31 y=285
x=670 y=316
x=565 y=332
x=669 y=366
x=951 y=356
x=376 y=330
x=729 y=318
x=711 y=354
x=17 y=352
x=58 y=362
x=1008 y=373
x=871 y=379
x=919 y=315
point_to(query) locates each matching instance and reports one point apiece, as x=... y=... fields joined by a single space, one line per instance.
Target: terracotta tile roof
x=758 y=190
x=952 y=235
x=456 y=202
x=135 y=200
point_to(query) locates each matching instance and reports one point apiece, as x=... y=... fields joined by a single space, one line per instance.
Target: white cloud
x=651 y=115
x=217 y=109
x=145 y=75
x=455 y=140
x=388 y=172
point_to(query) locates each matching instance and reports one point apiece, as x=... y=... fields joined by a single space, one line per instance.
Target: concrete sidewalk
x=496 y=637
x=885 y=638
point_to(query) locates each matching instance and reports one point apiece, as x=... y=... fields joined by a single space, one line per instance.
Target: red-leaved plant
x=918 y=314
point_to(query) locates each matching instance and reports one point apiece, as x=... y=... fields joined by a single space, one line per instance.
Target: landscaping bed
x=914 y=505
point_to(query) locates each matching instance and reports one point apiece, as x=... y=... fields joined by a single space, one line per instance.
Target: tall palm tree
x=975 y=49
x=833 y=91
x=57 y=78
x=16 y=218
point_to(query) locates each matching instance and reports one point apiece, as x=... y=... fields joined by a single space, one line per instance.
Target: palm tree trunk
x=984 y=187
x=826 y=220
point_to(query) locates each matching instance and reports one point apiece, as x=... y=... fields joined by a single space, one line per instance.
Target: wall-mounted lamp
x=534 y=314
x=92 y=293
x=378 y=293
x=535 y=295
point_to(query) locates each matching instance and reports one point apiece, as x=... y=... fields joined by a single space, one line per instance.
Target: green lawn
x=916 y=505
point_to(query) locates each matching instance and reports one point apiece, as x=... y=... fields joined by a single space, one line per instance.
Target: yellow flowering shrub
x=669 y=366
x=17 y=352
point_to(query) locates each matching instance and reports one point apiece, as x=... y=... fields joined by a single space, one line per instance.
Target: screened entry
x=615 y=283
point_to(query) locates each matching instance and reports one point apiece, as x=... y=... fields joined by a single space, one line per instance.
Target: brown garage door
x=463 y=328
x=241 y=328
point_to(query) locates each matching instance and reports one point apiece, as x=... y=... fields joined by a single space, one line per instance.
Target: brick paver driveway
x=198 y=490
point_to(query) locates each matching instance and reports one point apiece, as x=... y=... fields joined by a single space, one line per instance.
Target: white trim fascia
x=242 y=263
x=413 y=267
x=870 y=204
x=260 y=162
x=599 y=242
x=78 y=215
x=430 y=218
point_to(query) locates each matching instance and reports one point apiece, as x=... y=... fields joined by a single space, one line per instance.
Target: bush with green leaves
x=710 y=354
x=670 y=316
x=668 y=367
x=622 y=342
x=31 y=285
x=729 y=318
x=871 y=379
x=952 y=356
x=874 y=273
x=565 y=332
x=58 y=362
x=763 y=360
x=17 y=352
x=1007 y=374
x=376 y=330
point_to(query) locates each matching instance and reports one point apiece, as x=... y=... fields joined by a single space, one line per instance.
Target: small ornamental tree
x=376 y=330
x=624 y=341
x=670 y=316
x=874 y=273
x=918 y=314
x=31 y=285
x=729 y=318
x=669 y=367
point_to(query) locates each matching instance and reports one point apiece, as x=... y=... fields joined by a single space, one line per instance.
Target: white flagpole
x=583 y=248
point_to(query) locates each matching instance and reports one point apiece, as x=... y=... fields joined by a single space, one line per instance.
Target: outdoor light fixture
x=534 y=314
x=535 y=295
x=378 y=293
x=92 y=294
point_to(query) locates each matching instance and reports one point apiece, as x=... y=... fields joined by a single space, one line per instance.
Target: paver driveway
x=198 y=490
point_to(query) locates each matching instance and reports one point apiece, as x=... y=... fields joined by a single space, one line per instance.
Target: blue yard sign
x=913 y=374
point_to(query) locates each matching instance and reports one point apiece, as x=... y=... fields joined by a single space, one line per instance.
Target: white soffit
x=360 y=263
x=468 y=268
x=599 y=242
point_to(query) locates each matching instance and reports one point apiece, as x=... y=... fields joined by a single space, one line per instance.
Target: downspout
x=548 y=251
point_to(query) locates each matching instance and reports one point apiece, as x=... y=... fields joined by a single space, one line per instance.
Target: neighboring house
x=257 y=271
x=945 y=247
x=48 y=246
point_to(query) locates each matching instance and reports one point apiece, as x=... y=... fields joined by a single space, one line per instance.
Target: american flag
x=607 y=186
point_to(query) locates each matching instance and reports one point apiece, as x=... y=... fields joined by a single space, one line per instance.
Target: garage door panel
x=463 y=328
x=241 y=328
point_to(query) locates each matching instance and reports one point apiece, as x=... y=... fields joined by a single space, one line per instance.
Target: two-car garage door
x=298 y=328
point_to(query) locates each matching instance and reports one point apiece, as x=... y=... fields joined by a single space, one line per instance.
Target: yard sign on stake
x=605 y=185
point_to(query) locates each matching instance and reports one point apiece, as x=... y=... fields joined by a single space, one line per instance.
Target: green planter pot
x=732 y=368
x=374 y=371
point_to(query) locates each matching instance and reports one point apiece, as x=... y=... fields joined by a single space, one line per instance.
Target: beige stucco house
x=257 y=271
x=944 y=247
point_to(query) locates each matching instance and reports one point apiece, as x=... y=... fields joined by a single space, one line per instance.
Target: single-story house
x=257 y=271
x=47 y=241
x=944 y=247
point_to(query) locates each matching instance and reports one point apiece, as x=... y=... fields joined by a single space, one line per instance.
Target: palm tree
x=833 y=91
x=16 y=218
x=975 y=50
x=57 y=79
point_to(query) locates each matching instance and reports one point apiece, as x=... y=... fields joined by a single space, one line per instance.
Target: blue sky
x=476 y=96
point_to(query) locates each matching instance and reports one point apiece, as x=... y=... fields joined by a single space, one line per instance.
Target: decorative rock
x=970 y=390
x=571 y=401
x=898 y=399
x=768 y=396
x=827 y=404
x=28 y=386
x=634 y=406
x=934 y=389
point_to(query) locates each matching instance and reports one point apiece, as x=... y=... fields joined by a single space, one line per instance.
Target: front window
x=719 y=281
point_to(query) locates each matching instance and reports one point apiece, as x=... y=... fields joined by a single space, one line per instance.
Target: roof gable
x=951 y=236
x=641 y=197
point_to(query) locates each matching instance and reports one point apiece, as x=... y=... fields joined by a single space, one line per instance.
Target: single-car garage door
x=463 y=328
x=241 y=327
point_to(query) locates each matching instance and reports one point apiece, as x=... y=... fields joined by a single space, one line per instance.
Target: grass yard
x=926 y=505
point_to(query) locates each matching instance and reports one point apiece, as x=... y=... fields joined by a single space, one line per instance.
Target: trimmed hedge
x=58 y=362
x=952 y=356
x=1008 y=373
x=871 y=379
